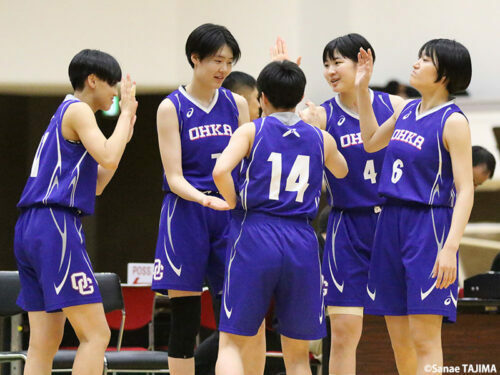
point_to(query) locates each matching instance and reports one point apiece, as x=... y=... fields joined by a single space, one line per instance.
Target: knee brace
x=184 y=326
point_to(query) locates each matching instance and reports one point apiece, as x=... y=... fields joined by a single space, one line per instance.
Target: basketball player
x=206 y=353
x=355 y=201
x=73 y=163
x=194 y=125
x=273 y=249
x=427 y=180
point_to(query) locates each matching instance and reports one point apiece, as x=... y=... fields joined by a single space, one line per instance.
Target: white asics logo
x=189 y=112
x=82 y=283
x=158 y=270
x=372 y=295
x=341 y=121
x=407 y=115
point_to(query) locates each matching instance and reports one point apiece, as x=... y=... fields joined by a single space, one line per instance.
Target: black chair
x=9 y=290
x=114 y=361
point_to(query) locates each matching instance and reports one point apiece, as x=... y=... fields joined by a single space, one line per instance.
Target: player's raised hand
x=364 y=68
x=215 y=203
x=279 y=52
x=128 y=103
x=310 y=114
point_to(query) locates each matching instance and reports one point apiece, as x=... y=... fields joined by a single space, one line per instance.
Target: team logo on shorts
x=341 y=120
x=82 y=283
x=190 y=112
x=158 y=270
x=372 y=295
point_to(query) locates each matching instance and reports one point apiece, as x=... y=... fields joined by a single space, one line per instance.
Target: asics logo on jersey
x=341 y=120
x=409 y=137
x=190 y=112
x=82 y=283
x=291 y=131
x=212 y=130
x=407 y=115
x=372 y=295
x=447 y=301
x=158 y=270
x=352 y=139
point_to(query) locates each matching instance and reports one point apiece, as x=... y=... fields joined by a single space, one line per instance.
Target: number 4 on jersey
x=297 y=180
x=369 y=172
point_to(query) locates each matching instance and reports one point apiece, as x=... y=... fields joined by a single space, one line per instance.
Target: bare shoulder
x=167 y=114
x=247 y=129
x=398 y=108
x=78 y=111
x=166 y=106
x=240 y=100
x=396 y=101
x=456 y=131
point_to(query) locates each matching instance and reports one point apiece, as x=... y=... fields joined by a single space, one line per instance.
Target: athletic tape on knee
x=184 y=326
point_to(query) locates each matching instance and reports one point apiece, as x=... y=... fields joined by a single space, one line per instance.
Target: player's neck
x=433 y=99
x=200 y=92
x=349 y=100
x=86 y=97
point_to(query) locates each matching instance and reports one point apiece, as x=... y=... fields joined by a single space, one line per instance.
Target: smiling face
x=340 y=73
x=213 y=69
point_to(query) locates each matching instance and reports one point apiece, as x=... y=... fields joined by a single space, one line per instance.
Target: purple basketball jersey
x=359 y=187
x=284 y=172
x=205 y=133
x=63 y=172
x=417 y=167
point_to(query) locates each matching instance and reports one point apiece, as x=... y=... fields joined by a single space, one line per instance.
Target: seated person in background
x=483 y=165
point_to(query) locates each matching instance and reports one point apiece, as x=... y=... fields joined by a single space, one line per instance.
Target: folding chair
x=114 y=361
x=9 y=290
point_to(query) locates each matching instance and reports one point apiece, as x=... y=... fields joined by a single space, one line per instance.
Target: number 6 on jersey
x=297 y=180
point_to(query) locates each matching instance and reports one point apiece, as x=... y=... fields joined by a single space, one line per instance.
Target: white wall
x=40 y=37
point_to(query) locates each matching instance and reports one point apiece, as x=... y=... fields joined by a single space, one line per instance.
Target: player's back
x=63 y=172
x=283 y=174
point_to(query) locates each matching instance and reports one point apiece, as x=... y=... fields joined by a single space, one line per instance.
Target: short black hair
x=207 y=39
x=92 y=61
x=283 y=82
x=236 y=80
x=452 y=60
x=348 y=46
x=480 y=156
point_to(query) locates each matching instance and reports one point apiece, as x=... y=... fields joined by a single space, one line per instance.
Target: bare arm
x=244 y=113
x=104 y=176
x=314 y=115
x=456 y=137
x=374 y=137
x=80 y=119
x=169 y=140
x=334 y=160
x=238 y=147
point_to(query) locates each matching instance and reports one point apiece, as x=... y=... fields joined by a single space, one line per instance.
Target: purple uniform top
x=284 y=172
x=205 y=133
x=417 y=166
x=360 y=187
x=63 y=172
